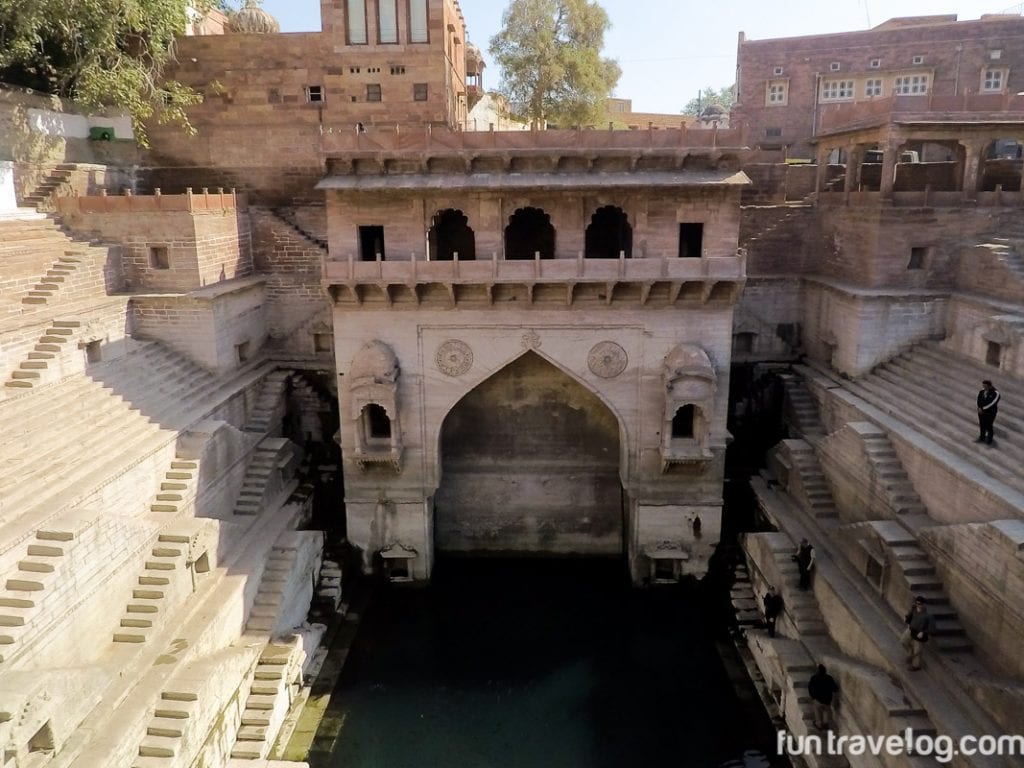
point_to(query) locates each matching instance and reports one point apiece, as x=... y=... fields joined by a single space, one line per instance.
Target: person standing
x=822 y=688
x=772 y=609
x=988 y=408
x=804 y=558
x=920 y=627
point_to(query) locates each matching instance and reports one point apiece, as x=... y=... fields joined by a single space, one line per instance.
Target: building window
x=418 y=22
x=373 y=91
x=836 y=90
x=918 y=60
x=373 y=70
x=777 y=71
x=356 y=22
x=371 y=243
x=398 y=69
x=835 y=66
x=778 y=93
x=992 y=80
x=875 y=63
x=323 y=342
x=911 y=85
x=873 y=87
x=743 y=343
x=93 y=351
x=918 y=258
x=314 y=93
x=158 y=257
x=691 y=240
x=354 y=70
x=242 y=352
x=773 y=133
x=387 y=21
x=419 y=92
x=995 y=55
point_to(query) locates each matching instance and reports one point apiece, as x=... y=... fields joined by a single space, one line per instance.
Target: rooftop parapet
x=218 y=201
x=965 y=108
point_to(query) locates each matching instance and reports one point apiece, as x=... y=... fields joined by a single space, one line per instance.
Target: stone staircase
x=811 y=486
x=933 y=391
x=41 y=197
x=799 y=605
x=148 y=603
x=166 y=728
x=62 y=270
x=266 y=411
x=288 y=217
x=26 y=588
x=893 y=480
x=1008 y=252
x=268 y=601
x=912 y=563
x=801 y=409
x=258 y=476
x=273 y=688
x=52 y=343
x=177 y=487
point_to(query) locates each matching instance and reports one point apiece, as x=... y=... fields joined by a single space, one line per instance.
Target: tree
x=100 y=53
x=724 y=96
x=550 y=55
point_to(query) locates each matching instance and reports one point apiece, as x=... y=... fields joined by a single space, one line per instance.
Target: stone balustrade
x=218 y=201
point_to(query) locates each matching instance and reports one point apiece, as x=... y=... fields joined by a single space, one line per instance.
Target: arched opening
x=1002 y=164
x=530 y=465
x=609 y=234
x=376 y=423
x=451 y=234
x=528 y=233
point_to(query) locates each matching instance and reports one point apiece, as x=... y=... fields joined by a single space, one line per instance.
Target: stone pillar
x=972 y=166
x=854 y=154
x=889 y=155
x=8 y=202
x=822 y=175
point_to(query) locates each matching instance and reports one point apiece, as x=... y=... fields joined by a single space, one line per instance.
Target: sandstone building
x=529 y=342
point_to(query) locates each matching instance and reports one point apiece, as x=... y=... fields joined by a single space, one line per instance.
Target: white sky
x=670 y=49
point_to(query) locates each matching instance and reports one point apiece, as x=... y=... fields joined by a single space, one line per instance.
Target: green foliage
x=100 y=53
x=708 y=95
x=550 y=55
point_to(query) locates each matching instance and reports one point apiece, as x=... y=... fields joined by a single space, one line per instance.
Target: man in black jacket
x=822 y=687
x=920 y=627
x=988 y=407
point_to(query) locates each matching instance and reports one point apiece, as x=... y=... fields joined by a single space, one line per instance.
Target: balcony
x=966 y=108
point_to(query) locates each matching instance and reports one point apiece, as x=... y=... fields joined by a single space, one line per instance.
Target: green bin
x=100 y=133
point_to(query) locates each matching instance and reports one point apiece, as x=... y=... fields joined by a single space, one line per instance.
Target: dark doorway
x=691 y=240
x=682 y=422
x=371 y=243
x=528 y=233
x=451 y=234
x=378 y=425
x=609 y=234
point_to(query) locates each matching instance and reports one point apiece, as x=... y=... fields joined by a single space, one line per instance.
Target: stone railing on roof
x=442 y=141
x=219 y=201
x=965 y=108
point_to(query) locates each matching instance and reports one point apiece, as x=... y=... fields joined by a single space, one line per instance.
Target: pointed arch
x=528 y=233
x=609 y=234
x=451 y=234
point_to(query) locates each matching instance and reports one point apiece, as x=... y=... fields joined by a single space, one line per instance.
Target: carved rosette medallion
x=531 y=340
x=607 y=360
x=454 y=357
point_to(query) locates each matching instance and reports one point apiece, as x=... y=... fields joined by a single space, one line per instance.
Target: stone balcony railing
x=205 y=201
x=579 y=270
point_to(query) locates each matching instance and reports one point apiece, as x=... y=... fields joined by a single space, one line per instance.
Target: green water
x=518 y=663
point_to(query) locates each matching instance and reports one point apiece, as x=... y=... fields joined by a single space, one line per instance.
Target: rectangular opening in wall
x=371 y=243
x=419 y=92
x=682 y=422
x=918 y=258
x=664 y=570
x=314 y=93
x=419 y=26
x=743 y=343
x=378 y=423
x=93 y=352
x=994 y=354
x=691 y=240
x=373 y=92
x=242 y=351
x=323 y=342
x=42 y=741
x=158 y=257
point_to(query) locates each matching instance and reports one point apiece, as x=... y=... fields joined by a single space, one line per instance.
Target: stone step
x=11 y=599
x=27 y=585
x=259 y=702
x=126 y=622
x=173 y=486
x=159 y=746
x=160 y=565
x=269 y=673
x=184 y=464
x=162 y=507
x=170 y=497
x=33 y=365
x=260 y=623
x=48 y=348
x=33 y=565
x=246 y=750
x=137 y=635
x=142 y=608
x=178 y=475
x=148 y=594
x=154 y=581
x=252 y=733
x=41 y=356
x=256 y=717
x=167 y=552
x=264 y=688
x=170 y=727
x=18 y=383
x=45 y=550
x=18 y=374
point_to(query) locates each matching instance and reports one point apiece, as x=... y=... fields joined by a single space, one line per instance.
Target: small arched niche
x=529 y=233
x=451 y=235
x=690 y=383
x=373 y=389
x=609 y=234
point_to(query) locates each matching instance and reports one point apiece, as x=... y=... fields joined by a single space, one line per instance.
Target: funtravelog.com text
x=942 y=748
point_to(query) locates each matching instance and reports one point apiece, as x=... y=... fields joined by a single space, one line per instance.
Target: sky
x=671 y=49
